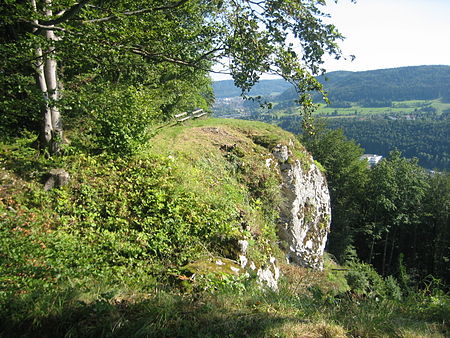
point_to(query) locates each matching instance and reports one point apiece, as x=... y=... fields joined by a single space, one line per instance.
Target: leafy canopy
x=157 y=44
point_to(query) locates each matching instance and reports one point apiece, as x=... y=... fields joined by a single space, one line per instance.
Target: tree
x=347 y=177
x=434 y=231
x=396 y=191
x=94 y=46
x=70 y=44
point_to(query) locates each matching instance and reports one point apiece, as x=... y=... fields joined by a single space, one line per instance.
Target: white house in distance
x=372 y=159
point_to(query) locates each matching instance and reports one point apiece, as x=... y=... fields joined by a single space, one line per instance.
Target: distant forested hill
x=404 y=108
x=395 y=84
x=226 y=88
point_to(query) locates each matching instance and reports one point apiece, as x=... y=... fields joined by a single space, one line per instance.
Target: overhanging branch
x=67 y=14
x=41 y=27
x=166 y=58
x=136 y=12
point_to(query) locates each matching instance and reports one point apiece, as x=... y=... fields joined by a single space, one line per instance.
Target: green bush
x=121 y=118
x=115 y=215
x=363 y=280
x=392 y=289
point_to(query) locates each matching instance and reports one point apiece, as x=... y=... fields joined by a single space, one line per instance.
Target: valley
x=401 y=108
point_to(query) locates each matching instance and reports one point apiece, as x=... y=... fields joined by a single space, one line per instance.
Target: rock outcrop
x=305 y=213
x=305 y=216
x=267 y=275
x=273 y=193
x=56 y=178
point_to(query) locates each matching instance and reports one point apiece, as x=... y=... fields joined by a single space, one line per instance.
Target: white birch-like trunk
x=51 y=79
x=46 y=132
x=46 y=69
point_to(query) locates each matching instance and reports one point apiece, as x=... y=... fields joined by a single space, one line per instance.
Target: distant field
x=397 y=108
x=405 y=108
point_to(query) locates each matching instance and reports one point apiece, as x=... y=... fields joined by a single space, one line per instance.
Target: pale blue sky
x=390 y=33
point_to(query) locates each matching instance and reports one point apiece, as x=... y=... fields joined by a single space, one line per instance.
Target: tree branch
x=160 y=57
x=165 y=58
x=140 y=11
x=39 y=27
x=72 y=11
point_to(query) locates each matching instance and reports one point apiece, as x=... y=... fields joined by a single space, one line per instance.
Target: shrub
x=365 y=281
x=121 y=119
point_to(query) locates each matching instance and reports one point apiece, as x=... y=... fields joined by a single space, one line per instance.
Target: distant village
x=372 y=159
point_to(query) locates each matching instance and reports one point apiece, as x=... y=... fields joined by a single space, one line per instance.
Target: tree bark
x=383 y=267
x=45 y=134
x=51 y=78
x=46 y=69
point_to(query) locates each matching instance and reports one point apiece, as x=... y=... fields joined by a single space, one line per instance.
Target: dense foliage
x=109 y=254
x=394 y=216
x=65 y=58
x=426 y=139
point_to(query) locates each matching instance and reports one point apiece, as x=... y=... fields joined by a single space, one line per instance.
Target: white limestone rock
x=305 y=213
x=268 y=275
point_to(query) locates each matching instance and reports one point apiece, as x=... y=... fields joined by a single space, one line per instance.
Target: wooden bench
x=184 y=119
x=198 y=113
x=177 y=116
x=186 y=116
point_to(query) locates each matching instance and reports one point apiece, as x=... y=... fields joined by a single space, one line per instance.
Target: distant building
x=372 y=159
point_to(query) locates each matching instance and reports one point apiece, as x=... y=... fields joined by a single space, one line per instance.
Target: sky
x=389 y=33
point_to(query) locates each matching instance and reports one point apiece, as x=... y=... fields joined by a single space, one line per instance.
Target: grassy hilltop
x=124 y=249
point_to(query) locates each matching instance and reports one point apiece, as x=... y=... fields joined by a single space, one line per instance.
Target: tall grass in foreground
x=307 y=305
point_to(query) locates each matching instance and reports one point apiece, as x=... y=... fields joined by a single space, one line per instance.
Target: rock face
x=306 y=213
x=267 y=275
x=275 y=194
x=304 y=217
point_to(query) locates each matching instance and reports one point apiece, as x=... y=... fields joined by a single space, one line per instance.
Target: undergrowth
x=111 y=253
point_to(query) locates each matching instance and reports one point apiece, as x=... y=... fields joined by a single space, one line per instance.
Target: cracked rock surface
x=305 y=214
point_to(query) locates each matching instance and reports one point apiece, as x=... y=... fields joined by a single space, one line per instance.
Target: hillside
x=226 y=88
x=381 y=85
x=205 y=192
x=381 y=109
x=184 y=239
x=394 y=84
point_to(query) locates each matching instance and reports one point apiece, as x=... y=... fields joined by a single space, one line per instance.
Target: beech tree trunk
x=391 y=255
x=46 y=69
x=383 y=267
